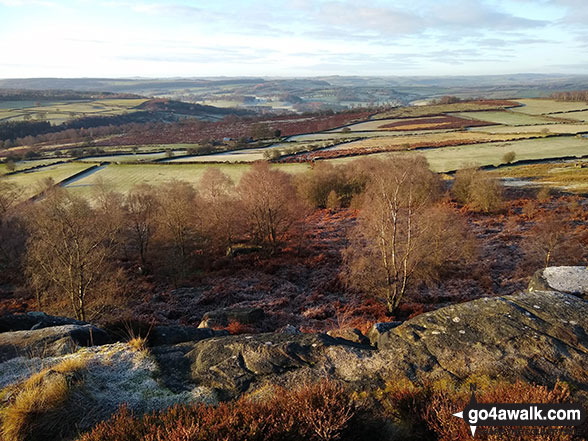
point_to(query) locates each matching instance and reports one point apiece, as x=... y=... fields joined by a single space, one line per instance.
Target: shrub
x=477 y=190
x=332 y=201
x=317 y=184
x=509 y=157
x=321 y=411
x=426 y=412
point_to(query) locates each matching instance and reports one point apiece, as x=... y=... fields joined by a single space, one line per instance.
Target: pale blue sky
x=167 y=38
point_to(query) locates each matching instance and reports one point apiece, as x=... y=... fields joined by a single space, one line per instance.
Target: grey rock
x=538 y=337
x=569 y=279
x=379 y=329
x=49 y=342
x=350 y=334
x=234 y=363
x=169 y=335
x=290 y=329
x=33 y=320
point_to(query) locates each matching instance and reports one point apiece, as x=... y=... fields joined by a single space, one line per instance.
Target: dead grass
x=36 y=410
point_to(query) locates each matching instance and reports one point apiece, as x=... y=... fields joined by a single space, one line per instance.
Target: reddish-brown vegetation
x=300 y=282
x=435 y=123
x=230 y=127
x=321 y=411
x=325 y=411
x=427 y=412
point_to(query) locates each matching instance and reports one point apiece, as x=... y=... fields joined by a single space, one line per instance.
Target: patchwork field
x=123 y=177
x=437 y=109
x=426 y=140
x=419 y=129
x=408 y=125
x=545 y=107
x=24 y=165
x=58 y=112
x=507 y=117
x=32 y=182
x=539 y=128
x=579 y=116
x=452 y=158
x=132 y=157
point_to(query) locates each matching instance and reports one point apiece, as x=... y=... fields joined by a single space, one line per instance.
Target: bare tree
x=11 y=230
x=270 y=204
x=179 y=226
x=402 y=235
x=222 y=209
x=553 y=239
x=70 y=249
x=142 y=208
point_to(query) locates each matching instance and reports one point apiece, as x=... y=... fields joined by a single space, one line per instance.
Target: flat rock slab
x=234 y=363
x=49 y=342
x=570 y=279
x=539 y=337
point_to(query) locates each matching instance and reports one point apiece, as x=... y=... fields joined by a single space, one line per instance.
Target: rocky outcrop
x=33 y=320
x=169 y=335
x=351 y=334
x=50 y=342
x=540 y=337
x=378 y=329
x=570 y=279
x=234 y=363
x=536 y=336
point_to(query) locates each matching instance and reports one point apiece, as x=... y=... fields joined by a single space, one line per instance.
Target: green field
x=540 y=128
x=23 y=165
x=452 y=158
x=545 y=107
x=369 y=125
x=579 y=116
x=131 y=157
x=338 y=135
x=436 y=109
x=123 y=177
x=507 y=117
x=31 y=182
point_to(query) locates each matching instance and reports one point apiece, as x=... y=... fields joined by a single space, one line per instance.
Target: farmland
x=438 y=109
x=33 y=182
x=58 y=112
x=133 y=157
x=473 y=132
x=539 y=128
x=123 y=177
x=453 y=158
x=25 y=165
x=569 y=175
x=546 y=107
x=507 y=118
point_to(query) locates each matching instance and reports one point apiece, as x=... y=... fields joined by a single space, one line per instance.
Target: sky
x=183 y=38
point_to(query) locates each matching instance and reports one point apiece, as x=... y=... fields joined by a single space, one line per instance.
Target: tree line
x=81 y=252
x=574 y=95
